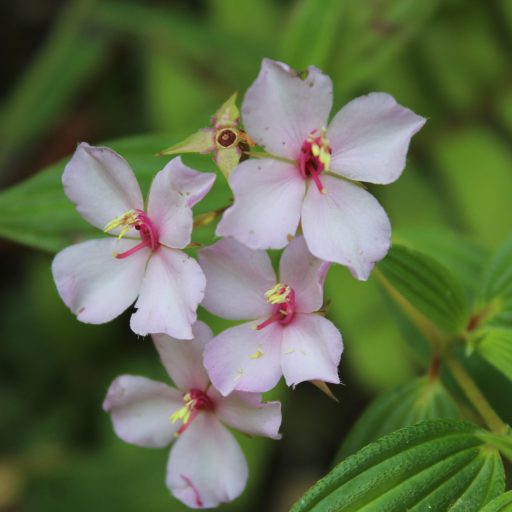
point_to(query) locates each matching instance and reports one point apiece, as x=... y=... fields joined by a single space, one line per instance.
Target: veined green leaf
x=299 y=49
x=496 y=292
x=464 y=257
x=496 y=348
x=502 y=503
x=419 y=400
x=426 y=286
x=435 y=465
x=503 y=442
x=37 y=212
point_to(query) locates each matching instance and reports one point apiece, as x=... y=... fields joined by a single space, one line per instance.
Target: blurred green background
x=85 y=70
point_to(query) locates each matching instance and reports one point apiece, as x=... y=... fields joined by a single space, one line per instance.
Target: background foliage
x=97 y=70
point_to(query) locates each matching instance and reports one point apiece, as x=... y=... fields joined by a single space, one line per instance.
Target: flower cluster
x=303 y=194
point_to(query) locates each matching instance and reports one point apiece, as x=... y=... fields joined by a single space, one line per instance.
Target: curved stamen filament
x=315 y=157
x=138 y=220
x=282 y=297
x=194 y=401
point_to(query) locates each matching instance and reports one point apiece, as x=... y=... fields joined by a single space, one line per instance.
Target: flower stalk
x=474 y=395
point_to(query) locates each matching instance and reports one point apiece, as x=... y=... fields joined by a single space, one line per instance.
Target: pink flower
x=99 y=279
x=287 y=336
x=206 y=466
x=313 y=177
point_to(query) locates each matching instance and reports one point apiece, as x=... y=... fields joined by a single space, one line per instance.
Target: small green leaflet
x=496 y=348
x=502 y=503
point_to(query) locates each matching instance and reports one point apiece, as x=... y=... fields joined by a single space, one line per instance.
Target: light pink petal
x=347 y=225
x=370 y=136
x=183 y=359
x=299 y=269
x=245 y=359
x=94 y=284
x=101 y=184
x=171 y=290
x=247 y=413
x=192 y=185
x=206 y=466
x=280 y=109
x=268 y=196
x=169 y=212
x=141 y=410
x=236 y=280
x=311 y=350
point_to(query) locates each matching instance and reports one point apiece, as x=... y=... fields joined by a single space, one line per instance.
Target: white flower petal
x=268 y=197
x=172 y=288
x=141 y=410
x=206 y=466
x=101 y=184
x=183 y=359
x=236 y=280
x=247 y=413
x=346 y=225
x=312 y=349
x=370 y=137
x=280 y=109
x=94 y=284
x=245 y=359
x=305 y=273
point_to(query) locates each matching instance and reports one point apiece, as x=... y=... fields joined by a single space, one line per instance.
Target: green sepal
x=227 y=159
x=202 y=141
x=228 y=114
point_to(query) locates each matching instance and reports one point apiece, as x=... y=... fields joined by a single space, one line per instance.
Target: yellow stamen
x=320 y=146
x=279 y=294
x=184 y=412
x=256 y=354
x=127 y=220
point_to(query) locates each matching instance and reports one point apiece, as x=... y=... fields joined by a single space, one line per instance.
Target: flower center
x=315 y=156
x=194 y=401
x=282 y=297
x=227 y=137
x=142 y=223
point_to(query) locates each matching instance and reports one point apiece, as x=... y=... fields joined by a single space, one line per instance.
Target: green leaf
x=418 y=400
x=503 y=442
x=502 y=503
x=37 y=212
x=435 y=465
x=496 y=348
x=426 y=286
x=464 y=257
x=299 y=49
x=495 y=297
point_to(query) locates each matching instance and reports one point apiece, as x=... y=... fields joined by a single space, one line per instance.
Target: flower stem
x=474 y=395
